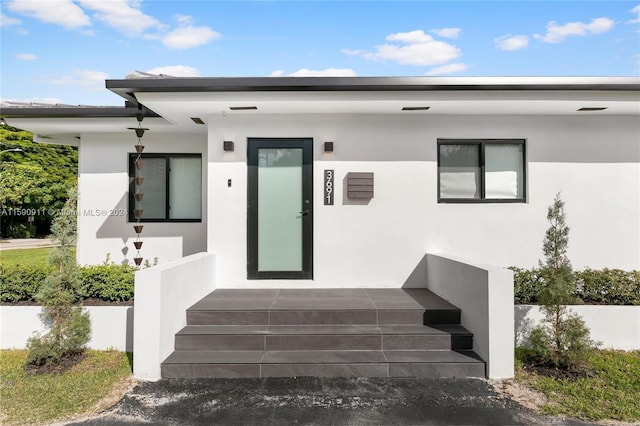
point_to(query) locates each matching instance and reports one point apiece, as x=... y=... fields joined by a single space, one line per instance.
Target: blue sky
x=61 y=51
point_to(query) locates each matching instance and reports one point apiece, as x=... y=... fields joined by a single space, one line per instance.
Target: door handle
x=304 y=212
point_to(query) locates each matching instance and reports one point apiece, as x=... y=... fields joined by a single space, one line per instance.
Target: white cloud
x=509 y=42
x=411 y=48
x=416 y=48
x=557 y=33
x=89 y=79
x=449 y=69
x=123 y=15
x=59 y=12
x=635 y=11
x=328 y=72
x=447 y=32
x=184 y=19
x=417 y=36
x=26 y=56
x=352 y=52
x=50 y=101
x=7 y=21
x=187 y=36
x=175 y=71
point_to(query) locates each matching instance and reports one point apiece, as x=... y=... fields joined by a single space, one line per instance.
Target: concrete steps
x=324 y=333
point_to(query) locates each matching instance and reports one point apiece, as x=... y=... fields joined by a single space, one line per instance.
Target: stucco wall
x=594 y=162
x=103 y=186
x=111 y=326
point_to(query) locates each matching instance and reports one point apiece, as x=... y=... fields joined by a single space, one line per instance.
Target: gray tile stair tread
x=319 y=330
x=322 y=303
x=452 y=329
x=319 y=357
x=266 y=293
x=323 y=357
x=422 y=298
x=322 y=299
x=322 y=293
x=214 y=357
x=432 y=356
x=232 y=304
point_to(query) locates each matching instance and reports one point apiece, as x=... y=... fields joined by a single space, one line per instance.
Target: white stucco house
x=350 y=183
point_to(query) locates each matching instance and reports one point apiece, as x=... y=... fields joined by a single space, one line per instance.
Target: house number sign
x=328 y=187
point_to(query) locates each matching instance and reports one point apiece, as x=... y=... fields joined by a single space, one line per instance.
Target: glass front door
x=280 y=208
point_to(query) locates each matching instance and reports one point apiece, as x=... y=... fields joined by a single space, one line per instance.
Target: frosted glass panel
x=279 y=206
x=185 y=188
x=459 y=171
x=503 y=171
x=154 y=188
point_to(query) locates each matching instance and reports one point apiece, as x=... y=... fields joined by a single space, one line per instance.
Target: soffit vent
x=243 y=108
x=416 y=108
x=197 y=120
x=592 y=108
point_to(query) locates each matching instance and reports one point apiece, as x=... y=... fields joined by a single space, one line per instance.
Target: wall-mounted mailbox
x=360 y=185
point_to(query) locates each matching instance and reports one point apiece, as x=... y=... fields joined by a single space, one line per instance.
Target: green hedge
x=105 y=282
x=598 y=287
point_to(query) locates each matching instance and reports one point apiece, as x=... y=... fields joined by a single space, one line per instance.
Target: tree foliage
x=33 y=182
x=69 y=326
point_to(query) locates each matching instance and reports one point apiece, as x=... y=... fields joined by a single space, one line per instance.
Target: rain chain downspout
x=138 y=180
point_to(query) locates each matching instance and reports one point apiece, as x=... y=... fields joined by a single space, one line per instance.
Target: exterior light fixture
x=591 y=109
x=328 y=147
x=228 y=146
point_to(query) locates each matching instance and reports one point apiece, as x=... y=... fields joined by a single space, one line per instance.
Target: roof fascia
x=73 y=112
x=128 y=87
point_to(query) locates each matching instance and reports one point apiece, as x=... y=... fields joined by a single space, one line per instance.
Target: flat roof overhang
x=179 y=98
x=128 y=87
x=172 y=102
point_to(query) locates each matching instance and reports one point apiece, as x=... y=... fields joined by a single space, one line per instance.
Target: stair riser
x=354 y=317
x=436 y=370
x=441 y=317
x=427 y=370
x=315 y=342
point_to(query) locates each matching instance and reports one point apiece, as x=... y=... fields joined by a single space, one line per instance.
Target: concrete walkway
x=319 y=401
x=25 y=243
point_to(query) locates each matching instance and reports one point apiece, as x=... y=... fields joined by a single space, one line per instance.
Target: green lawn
x=40 y=399
x=25 y=256
x=613 y=394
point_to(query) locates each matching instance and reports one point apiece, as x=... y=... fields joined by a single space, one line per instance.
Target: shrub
x=105 y=282
x=108 y=282
x=22 y=282
x=526 y=285
x=598 y=287
x=21 y=230
x=609 y=286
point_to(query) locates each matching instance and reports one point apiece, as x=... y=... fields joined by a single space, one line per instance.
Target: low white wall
x=485 y=296
x=111 y=326
x=162 y=295
x=615 y=327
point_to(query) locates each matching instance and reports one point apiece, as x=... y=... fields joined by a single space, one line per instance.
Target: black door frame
x=306 y=144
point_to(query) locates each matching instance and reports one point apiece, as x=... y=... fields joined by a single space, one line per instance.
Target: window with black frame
x=172 y=188
x=481 y=170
